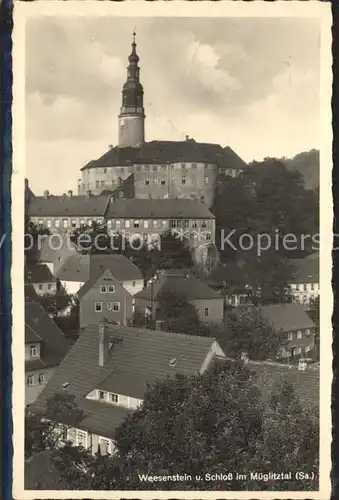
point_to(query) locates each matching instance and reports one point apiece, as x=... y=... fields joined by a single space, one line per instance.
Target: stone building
x=158 y=169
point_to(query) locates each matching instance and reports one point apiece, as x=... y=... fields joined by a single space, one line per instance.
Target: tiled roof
x=119 y=265
x=40 y=327
x=188 y=286
x=31 y=335
x=30 y=293
x=306 y=270
x=81 y=268
x=56 y=246
x=169 y=152
x=137 y=358
x=38 y=273
x=75 y=268
x=64 y=206
x=269 y=375
x=157 y=208
x=287 y=317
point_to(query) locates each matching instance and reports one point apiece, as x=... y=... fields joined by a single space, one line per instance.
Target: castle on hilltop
x=157 y=169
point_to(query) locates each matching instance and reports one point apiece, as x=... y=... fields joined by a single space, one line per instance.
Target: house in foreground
x=45 y=347
x=208 y=303
x=108 y=369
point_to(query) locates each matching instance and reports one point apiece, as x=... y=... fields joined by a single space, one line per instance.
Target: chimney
x=103 y=344
x=46 y=194
x=70 y=193
x=245 y=357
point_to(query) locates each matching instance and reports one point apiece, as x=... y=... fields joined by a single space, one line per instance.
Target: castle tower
x=132 y=115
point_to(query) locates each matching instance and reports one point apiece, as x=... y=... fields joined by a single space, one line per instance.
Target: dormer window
x=101 y=395
x=33 y=350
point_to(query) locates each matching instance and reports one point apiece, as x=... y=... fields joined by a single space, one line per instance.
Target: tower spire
x=132 y=115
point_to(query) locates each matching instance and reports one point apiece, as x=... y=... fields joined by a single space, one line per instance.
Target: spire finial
x=134 y=35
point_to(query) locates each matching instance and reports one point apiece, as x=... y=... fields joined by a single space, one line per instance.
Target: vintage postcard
x=172 y=230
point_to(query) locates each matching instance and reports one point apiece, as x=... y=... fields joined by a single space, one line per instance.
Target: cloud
x=251 y=83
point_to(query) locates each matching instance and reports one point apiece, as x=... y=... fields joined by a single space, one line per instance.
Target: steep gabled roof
x=187 y=286
x=137 y=357
x=65 y=206
x=75 y=268
x=120 y=266
x=39 y=327
x=38 y=273
x=157 y=209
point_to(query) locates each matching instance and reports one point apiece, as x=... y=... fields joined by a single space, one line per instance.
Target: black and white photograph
x=172 y=225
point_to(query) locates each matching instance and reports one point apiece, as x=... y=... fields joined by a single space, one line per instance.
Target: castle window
x=147 y=181
x=155 y=168
x=146 y=224
x=109 y=306
x=146 y=168
x=164 y=223
x=203 y=224
x=97 y=184
x=65 y=223
x=102 y=183
x=155 y=223
x=136 y=223
x=41 y=378
x=194 y=165
x=208 y=236
x=163 y=181
x=183 y=178
x=183 y=165
x=105 y=170
x=127 y=224
x=103 y=289
x=116 y=306
x=138 y=168
x=30 y=380
x=206 y=180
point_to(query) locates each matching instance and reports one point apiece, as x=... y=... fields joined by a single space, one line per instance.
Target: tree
x=290 y=441
x=249 y=332
x=53 y=304
x=31 y=238
x=42 y=429
x=179 y=315
x=217 y=422
x=196 y=425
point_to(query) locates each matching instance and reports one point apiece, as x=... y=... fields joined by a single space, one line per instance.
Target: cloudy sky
x=250 y=83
